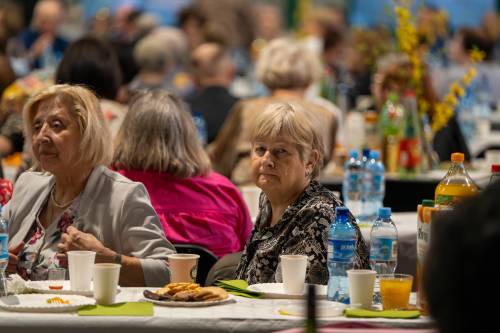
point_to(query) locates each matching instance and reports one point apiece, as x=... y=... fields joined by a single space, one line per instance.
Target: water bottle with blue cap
x=383 y=246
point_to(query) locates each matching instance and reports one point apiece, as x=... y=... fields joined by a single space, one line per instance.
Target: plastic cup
x=106 y=278
x=361 y=284
x=251 y=195
x=57 y=274
x=80 y=269
x=395 y=290
x=293 y=270
x=183 y=267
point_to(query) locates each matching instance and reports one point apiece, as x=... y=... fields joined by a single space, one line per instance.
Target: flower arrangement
x=444 y=109
x=407 y=37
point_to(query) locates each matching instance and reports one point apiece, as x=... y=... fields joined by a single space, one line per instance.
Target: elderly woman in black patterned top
x=295 y=210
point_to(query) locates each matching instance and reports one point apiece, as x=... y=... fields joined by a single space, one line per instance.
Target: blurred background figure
x=154 y=63
x=269 y=22
x=98 y=70
x=40 y=46
x=161 y=56
x=287 y=69
x=212 y=72
x=158 y=146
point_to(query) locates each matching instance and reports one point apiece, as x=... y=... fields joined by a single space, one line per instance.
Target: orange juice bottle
x=456 y=184
x=425 y=213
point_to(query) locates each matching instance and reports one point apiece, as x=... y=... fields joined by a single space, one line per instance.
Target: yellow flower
x=451 y=100
x=476 y=55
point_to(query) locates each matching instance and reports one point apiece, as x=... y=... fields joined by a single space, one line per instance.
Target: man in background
x=212 y=72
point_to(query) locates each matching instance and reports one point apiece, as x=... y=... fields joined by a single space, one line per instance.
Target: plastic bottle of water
x=4 y=253
x=374 y=186
x=365 y=158
x=341 y=251
x=383 y=246
x=352 y=185
x=201 y=127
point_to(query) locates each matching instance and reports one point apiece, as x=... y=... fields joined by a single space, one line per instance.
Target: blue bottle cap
x=366 y=152
x=384 y=212
x=341 y=212
x=353 y=154
x=374 y=154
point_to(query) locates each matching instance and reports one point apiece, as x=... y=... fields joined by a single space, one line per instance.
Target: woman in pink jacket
x=158 y=145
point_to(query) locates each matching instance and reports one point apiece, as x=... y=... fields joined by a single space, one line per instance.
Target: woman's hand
x=14 y=258
x=76 y=240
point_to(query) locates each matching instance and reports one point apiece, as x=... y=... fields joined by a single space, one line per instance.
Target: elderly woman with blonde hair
x=295 y=210
x=287 y=69
x=159 y=147
x=76 y=202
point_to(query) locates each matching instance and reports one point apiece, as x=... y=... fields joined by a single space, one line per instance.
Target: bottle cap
x=374 y=154
x=384 y=212
x=353 y=153
x=341 y=212
x=428 y=203
x=366 y=152
x=495 y=168
x=457 y=157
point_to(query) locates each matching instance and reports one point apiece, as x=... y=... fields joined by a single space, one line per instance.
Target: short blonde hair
x=286 y=64
x=84 y=106
x=292 y=122
x=158 y=134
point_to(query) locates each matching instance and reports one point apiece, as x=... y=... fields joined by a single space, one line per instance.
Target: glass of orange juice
x=395 y=290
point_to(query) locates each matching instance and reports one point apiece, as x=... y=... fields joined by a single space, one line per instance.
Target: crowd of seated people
x=112 y=156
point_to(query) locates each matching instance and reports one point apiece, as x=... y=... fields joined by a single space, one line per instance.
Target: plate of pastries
x=187 y=294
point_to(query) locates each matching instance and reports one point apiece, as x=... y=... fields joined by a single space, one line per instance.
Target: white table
x=245 y=315
x=406 y=223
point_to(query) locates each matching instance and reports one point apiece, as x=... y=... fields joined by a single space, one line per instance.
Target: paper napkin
x=238 y=288
x=136 y=309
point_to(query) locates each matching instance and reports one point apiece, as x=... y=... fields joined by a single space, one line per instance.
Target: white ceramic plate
x=323 y=309
x=276 y=290
x=38 y=303
x=228 y=300
x=42 y=287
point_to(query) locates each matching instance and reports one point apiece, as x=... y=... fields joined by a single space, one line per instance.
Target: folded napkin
x=394 y=314
x=238 y=288
x=136 y=309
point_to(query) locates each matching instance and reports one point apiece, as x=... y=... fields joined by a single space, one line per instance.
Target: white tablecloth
x=245 y=315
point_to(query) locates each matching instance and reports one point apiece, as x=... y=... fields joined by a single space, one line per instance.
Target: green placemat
x=238 y=288
x=394 y=314
x=136 y=309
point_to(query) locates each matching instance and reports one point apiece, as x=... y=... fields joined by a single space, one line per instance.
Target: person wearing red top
x=158 y=146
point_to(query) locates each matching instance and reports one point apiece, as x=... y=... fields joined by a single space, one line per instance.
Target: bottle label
x=447 y=200
x=343 y=250
x=378 y=182
x=383 y=249
x=4 y=254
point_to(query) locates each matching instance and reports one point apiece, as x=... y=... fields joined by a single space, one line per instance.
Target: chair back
x=206 y=261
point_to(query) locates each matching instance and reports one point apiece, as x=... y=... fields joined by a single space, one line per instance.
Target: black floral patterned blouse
x=303 y=229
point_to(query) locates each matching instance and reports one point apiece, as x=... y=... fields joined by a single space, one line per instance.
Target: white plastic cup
x=183 y=267
x=361 y=284
x=293 y=270
x=106 y=278
x=251 y=195
x=80 y=269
